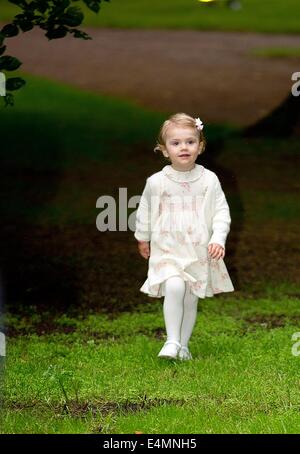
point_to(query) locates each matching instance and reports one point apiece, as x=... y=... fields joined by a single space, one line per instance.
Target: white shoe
x=184 y=354
x=170 y=350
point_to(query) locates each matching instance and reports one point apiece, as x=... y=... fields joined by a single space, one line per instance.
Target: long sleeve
x=143 y=215
x=221 y=218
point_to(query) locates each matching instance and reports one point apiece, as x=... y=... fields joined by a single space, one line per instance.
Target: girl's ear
x=201 y=147
x=164 y=151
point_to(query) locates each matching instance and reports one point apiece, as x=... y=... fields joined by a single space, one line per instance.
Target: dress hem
x=146 y=289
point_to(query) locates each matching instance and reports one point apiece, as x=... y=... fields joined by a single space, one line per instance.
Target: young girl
x=182 y=223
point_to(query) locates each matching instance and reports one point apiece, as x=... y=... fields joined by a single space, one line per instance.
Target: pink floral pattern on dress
x=204 y=191
x=163 y=263
x=203 y=261
x=186 y=186
x=214 y=263
x=179 y=246
x=197 y=285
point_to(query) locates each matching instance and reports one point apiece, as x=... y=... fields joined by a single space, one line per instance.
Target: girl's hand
x=144 y=249
x=216 y=251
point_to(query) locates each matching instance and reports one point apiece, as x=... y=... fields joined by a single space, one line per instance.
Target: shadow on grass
x=31 y=169
x=55 y=268
x=229 y=182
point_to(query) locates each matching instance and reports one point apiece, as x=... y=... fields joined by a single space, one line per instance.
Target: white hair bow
x=199 y=124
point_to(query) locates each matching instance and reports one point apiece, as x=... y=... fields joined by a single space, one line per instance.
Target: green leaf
x=72 y=17
x=9 y=63
x=28 y=16
x=24 y=22
x=93 y=5
x=58 y=8
x=41 y=6
x=63 y=3
x=56 y=33
x=25 y=26
x=79 y=34
x=10 y=30
x=9 y=99
x=2 y=50
x=18 y=2
x=14 y=83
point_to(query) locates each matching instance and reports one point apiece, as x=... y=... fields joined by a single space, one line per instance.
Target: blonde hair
x=178 y=119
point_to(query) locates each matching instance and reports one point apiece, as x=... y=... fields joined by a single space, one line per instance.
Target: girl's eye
x=176 y=143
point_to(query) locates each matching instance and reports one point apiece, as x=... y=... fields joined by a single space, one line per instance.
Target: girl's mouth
x=184 y=155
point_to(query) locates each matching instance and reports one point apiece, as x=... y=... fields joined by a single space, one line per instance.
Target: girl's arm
x=221 y=218
x=143 y=231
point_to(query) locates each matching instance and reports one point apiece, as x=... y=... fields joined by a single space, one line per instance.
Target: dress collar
x=183 y=176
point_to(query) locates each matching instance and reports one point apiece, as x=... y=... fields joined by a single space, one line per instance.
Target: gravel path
x=210 y=74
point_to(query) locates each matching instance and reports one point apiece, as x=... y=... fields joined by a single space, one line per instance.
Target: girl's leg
x=173 y=306
x=190 y=306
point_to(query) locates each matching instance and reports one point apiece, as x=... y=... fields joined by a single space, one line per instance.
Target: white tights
x=180 y=310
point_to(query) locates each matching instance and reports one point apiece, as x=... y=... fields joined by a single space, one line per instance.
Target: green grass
x=100 y=374
x=70 y=124
x=106 y=377
x=73 y=129
x=74 y=132
x=261 y=16
x=277 y=52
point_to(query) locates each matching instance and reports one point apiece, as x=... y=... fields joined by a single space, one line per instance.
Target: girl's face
x=182 y=147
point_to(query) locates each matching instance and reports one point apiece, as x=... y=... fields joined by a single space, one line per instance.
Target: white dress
x=180 y=238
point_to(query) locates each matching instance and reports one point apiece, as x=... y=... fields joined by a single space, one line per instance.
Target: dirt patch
x=77 y=409
x=206 y=73
x=271 y=321
x=86 y=335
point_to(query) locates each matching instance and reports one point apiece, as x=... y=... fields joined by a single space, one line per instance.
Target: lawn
x=269 y=16
x=277 y=52
x=82 y=341
x=103 y=375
